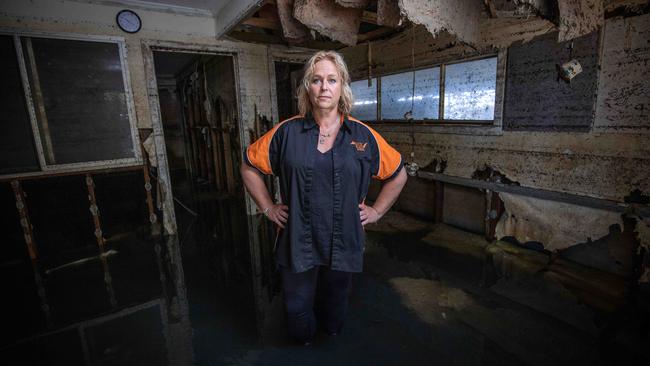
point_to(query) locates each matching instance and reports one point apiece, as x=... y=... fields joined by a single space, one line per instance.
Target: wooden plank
x=536 y=193
x=266 y=23
x=99 y=235
x=26 y=225
x=39 y=104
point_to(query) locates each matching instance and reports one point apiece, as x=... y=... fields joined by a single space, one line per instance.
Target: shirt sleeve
x=388 y=161
x=262 y=154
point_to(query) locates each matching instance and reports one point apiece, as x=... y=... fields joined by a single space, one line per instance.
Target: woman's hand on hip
x=368 y=214
x=278 y=214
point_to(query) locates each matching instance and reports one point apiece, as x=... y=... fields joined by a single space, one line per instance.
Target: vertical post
x=441 y=100
x=153 y=218
x=218 y=182
x=494 y=210
x=26 y=224
x=227 y=157
x=44 y=126
x=156 y=229
x=94 y=210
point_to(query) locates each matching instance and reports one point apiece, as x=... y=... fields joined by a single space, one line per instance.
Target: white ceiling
x=198 y=7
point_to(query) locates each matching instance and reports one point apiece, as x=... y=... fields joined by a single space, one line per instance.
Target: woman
x=324 y=159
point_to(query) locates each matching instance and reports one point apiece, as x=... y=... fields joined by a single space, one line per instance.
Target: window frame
x=489 y=127
x=49 y=169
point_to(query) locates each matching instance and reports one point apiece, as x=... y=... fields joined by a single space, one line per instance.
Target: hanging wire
x=412 y=167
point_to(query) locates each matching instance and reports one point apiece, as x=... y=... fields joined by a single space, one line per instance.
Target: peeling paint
x=458 y=17
x=556 y=225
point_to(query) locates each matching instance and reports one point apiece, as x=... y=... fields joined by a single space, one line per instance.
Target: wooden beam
x=269 y=38
x=491 y=8
x=574 y=199
x=233 y=13
x=266 y=23
x=252 y=37
x=377 y=33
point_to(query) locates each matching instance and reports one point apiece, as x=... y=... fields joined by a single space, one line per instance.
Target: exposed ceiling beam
x=377 y=33
x=269 y=38
x=369 y=17
x=266 y=23
x=233 y=13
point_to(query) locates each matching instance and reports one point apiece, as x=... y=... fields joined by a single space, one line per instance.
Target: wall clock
x=128 y=21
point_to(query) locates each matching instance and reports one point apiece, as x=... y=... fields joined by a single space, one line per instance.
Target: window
x=365 y=99
x=468 y=92
x=70 y=106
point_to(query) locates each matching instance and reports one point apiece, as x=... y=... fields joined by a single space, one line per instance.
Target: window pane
x=470 y=90
x=17 y=152
x=365 y=100
x=80 y=98
x=427 y=94
x=397 y=92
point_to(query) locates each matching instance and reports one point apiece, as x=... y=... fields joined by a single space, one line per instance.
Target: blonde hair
x=346 y=100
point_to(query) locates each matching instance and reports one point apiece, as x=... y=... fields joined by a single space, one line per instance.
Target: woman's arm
x=254 y=183
x=390 y=190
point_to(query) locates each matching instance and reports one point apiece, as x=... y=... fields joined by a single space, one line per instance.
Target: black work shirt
x=322 y=207
x=358 y=154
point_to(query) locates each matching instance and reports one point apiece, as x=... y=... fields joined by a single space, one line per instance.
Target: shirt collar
x=308 y=122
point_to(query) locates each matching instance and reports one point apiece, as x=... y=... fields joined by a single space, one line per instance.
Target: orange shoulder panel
x=258 y=152
x=389 y=158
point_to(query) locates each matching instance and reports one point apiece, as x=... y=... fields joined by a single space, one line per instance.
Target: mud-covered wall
x=609 y=161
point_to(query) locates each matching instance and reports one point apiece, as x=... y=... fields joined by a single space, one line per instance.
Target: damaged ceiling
x=479 y=24
x=334 y=24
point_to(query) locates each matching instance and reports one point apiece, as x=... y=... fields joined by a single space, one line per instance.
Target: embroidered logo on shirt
x=360 y=146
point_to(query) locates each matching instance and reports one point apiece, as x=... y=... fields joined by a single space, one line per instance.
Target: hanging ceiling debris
x=458 y=17
x=330 y=19
x=579 y=17
x=292 y=30
x=481 y=24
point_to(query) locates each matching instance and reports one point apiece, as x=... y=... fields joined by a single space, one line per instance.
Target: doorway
x=287 y=77
x=199 y=117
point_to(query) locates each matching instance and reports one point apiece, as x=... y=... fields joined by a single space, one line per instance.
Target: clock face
x=129 y=21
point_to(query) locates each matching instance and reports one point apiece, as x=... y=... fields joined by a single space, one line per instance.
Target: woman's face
x=325 y=86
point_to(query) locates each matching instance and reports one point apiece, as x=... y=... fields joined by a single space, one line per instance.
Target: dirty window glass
x=399 y=93
x=470 y=90
x=17 y=153
x=80 y=100
x=365 y=100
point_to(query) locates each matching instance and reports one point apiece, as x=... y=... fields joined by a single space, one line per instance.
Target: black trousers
x=318 y=296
